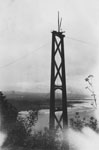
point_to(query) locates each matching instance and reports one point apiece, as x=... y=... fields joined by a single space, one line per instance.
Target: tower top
x=59 y=23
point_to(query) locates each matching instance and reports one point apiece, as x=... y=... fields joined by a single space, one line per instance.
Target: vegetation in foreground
x=78 y=124
x=19 y=135
x=7 y=111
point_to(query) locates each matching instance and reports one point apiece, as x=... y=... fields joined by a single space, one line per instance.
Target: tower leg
x=58 y=73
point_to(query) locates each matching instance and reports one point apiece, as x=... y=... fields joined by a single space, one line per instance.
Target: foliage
x=20 y=134
x=91 y=88
x=21 y=130
x=7 y=110
x=77 y=123
x=29 y=121
x=39 y=140
x=44 y=140
x=16 y=136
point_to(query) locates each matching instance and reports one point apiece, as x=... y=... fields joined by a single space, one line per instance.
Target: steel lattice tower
x=58 y=73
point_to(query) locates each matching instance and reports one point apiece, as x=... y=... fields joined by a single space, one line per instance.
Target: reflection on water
x=84 y=109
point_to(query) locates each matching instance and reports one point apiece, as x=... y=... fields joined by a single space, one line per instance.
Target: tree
x=7 y=110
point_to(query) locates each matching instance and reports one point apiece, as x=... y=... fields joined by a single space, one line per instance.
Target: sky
x=25 y=43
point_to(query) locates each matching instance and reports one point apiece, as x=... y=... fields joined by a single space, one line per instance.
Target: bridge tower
x=58 y=81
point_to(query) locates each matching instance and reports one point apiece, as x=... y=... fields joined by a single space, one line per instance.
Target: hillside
x=27 y=101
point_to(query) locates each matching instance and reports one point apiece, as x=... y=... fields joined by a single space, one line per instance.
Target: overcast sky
x=25 y=42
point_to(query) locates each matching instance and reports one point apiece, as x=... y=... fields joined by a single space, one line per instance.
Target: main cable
x=23 y=57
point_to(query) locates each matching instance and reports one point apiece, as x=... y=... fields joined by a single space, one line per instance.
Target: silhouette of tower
x=58 y=81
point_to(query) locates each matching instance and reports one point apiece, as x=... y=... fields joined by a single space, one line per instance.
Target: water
x=84 y=109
